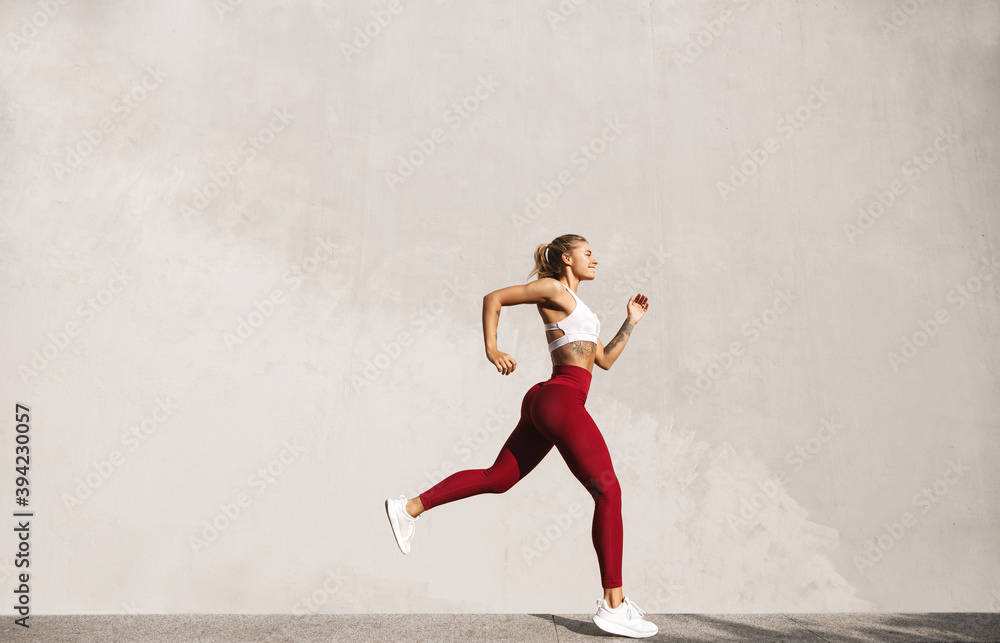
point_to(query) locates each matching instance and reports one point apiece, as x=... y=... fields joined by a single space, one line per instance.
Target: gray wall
x=242 y=320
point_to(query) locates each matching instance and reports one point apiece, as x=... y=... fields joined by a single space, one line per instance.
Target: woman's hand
x=636 y=307
x=505 y=363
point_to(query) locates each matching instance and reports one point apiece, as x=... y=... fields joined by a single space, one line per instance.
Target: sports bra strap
x=555 y=325
x=575 y=327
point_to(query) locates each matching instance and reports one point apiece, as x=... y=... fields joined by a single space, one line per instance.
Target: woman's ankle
x=413 y=507
x=613 y=597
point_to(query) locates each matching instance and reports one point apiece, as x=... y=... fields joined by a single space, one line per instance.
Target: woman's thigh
x=557 y=411
x=526 y=446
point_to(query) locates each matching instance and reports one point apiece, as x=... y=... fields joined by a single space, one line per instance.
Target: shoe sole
x=395 y=527
x=614 y=628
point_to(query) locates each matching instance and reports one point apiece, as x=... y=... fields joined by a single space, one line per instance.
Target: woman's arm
x=535 y=292
x=491 y=319
x=606 y=355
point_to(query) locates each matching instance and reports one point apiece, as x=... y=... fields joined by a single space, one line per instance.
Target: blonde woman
x=553 y=414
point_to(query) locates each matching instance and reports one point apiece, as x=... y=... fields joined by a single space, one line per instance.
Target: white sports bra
x=580 y=325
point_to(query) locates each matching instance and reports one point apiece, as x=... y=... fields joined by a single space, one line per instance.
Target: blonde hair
x=548 y=256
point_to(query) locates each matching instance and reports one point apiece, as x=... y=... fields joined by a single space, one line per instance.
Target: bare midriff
x=574 y=353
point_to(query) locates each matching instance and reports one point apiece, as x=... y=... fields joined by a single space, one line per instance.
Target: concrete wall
x=244 y=247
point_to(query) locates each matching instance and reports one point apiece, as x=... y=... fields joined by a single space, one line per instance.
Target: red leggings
x=552 y=413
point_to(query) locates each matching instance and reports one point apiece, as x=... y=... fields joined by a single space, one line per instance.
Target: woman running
x=553 y=414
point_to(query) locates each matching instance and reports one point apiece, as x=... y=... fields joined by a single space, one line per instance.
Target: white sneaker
x=624 y=620
x=402 y=522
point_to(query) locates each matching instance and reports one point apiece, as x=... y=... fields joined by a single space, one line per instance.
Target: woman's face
x=582 y=262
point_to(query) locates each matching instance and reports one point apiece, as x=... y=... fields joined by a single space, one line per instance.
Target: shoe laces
x=633 y=609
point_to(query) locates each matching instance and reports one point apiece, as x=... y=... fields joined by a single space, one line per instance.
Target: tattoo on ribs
x=581 y=348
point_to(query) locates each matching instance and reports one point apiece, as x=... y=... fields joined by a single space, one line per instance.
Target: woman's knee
x=606 y=488
x=500 y=479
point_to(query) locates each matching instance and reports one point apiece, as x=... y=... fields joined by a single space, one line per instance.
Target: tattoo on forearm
x=625 y=331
